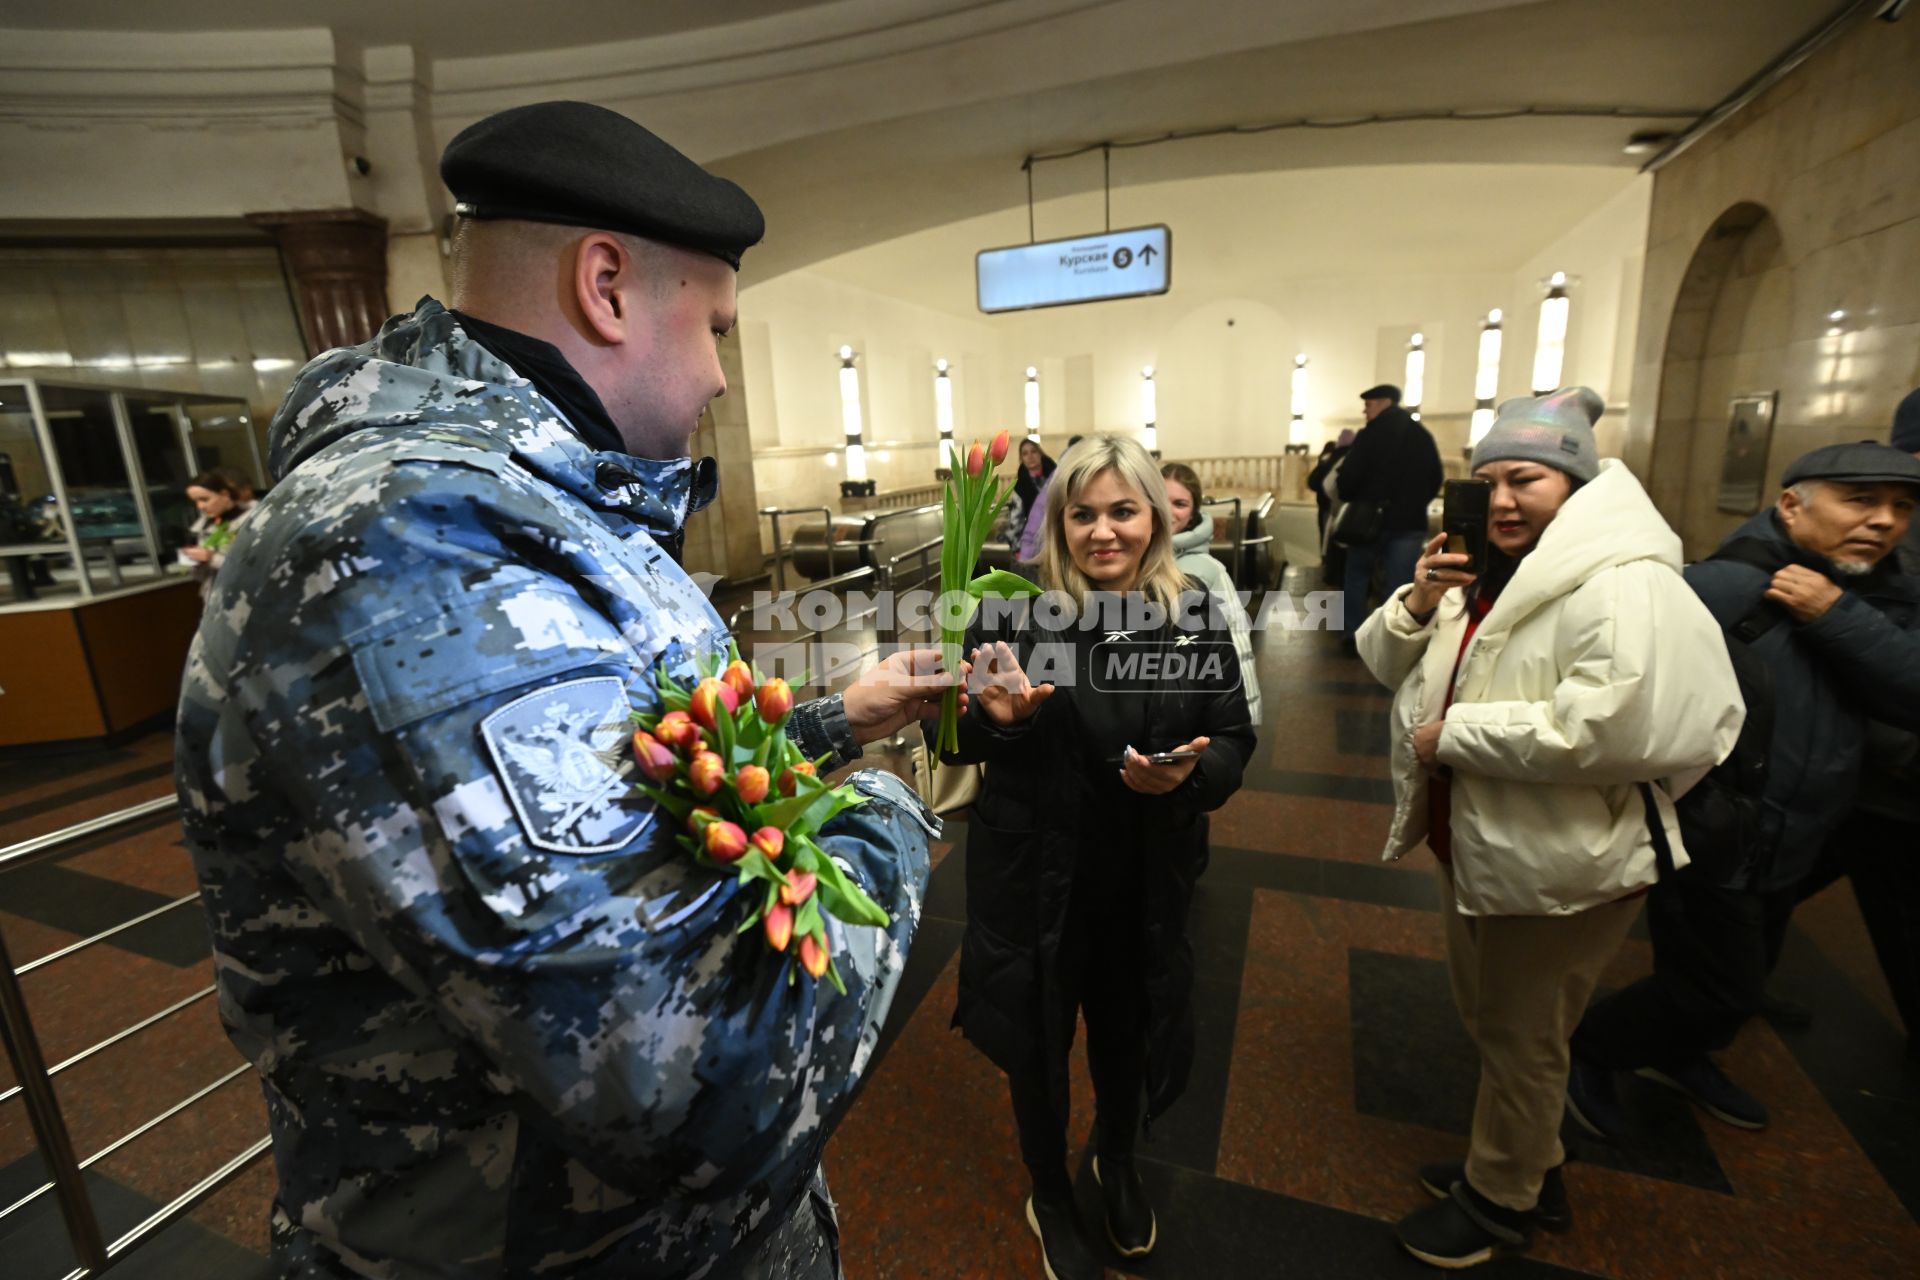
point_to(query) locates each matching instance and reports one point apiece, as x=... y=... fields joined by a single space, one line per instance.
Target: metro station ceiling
x=859 y=121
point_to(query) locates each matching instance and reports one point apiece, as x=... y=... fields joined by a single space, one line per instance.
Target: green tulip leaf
x=1003 y=583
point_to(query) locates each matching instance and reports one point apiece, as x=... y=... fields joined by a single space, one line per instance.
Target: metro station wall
x=214 y=320
x=1831 y=158
x=1604 y=257
x=1222 y=363
x=791 y=328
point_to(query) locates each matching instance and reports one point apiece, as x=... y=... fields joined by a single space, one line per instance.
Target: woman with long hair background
x=224 y=501
x=1193 y=552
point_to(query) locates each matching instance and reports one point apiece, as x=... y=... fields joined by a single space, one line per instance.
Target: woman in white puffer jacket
x=1529 y=705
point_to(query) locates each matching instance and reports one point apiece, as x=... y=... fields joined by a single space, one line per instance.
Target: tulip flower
x=697 y=820
x=813 y=956
x=779 y=925
x=705 y=773
x=751 y=783
x=653 y=757
x=738 y=677
x=774 y=700
x=724 y=841
x=997 y=451
x=770 y=841
x=710 y=700
x=677 y=730
x=976 y=459
x=787 y=783
x=798 y=888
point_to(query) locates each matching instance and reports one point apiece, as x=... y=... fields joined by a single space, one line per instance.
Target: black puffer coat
x=1023 y=844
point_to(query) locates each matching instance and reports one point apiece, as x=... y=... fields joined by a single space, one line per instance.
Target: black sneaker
x=1064 y=1251
x=1718 y=1096
x=1552 y=1213
x=1131 y=1225
x=1592 y=1100
x=1464 y=1230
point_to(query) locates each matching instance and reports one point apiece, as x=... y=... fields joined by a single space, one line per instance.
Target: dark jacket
x=1394 y=460
x=1329 y=459
x=1862 y=656
x=1024 y=838
x=1890 y=773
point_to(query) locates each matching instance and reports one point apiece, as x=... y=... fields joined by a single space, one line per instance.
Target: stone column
x=725 y=538
x=336 y=261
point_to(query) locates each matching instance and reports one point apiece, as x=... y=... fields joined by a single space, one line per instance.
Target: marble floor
x=1331 y=1063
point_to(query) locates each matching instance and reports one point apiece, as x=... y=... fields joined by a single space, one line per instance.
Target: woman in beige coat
x=1530 y=704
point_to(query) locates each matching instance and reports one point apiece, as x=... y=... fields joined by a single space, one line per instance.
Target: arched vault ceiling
x=1241 y=233
x=438 y=28
x=859 y=121
x=837 y=191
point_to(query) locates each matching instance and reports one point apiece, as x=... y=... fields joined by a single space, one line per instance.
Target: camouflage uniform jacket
x=505 y=1027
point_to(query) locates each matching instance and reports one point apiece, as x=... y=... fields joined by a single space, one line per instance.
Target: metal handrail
x=140 y=1132
x=19 y=855
x=851 y=576
x=116 y=1038
x=920 y=553
x=50 y=1134
x=781 y=554
x=824 y=584
x=102 y=936
x=897 y=513
x=182 y=1204
x=35 y=1077
x=923 y=554
x=1239 y=533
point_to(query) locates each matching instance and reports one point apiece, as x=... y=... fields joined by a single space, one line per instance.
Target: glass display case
x=93 y=480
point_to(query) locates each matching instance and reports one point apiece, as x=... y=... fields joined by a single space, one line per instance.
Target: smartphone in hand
x=1464 y=511
x=1158 y=757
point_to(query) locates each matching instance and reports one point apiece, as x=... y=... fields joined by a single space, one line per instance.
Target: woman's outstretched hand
x=999 y=684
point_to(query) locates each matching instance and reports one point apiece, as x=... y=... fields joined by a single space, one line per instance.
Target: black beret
x=585 y=166
x=1385 y=391
x=1868 y=462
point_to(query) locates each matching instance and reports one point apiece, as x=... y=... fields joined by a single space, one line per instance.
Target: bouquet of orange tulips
x=718 y=758
x=972 y=502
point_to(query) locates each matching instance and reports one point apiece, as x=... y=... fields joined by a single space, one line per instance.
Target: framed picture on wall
x=1743 y=468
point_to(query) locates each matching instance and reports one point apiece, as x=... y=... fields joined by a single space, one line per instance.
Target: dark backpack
x=1723 y=819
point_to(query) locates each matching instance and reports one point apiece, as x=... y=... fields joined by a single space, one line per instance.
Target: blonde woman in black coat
x=1081 y=852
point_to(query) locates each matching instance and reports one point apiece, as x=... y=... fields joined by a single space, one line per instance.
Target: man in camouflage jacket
x=505 y=1027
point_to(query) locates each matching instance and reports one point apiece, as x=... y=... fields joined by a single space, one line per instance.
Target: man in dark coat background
x=1840 y=643
x=1875 y=846
x=1393 y=463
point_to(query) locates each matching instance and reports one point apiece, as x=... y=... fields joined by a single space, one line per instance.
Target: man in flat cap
x=1824 y=631
x=1394 y=468
x=505 y=1026
x=1875 y=847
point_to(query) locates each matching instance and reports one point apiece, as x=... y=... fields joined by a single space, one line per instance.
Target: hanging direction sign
x=1058 y=273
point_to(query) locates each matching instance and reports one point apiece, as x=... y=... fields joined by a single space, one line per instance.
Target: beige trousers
x=1522 y=983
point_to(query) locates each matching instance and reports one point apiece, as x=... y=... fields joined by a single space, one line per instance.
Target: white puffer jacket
x=1596 y=669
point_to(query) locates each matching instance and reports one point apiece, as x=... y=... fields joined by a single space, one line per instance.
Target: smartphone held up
x=1464 y=509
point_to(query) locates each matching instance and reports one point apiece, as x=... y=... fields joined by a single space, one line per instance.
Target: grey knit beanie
x=1554 y=430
